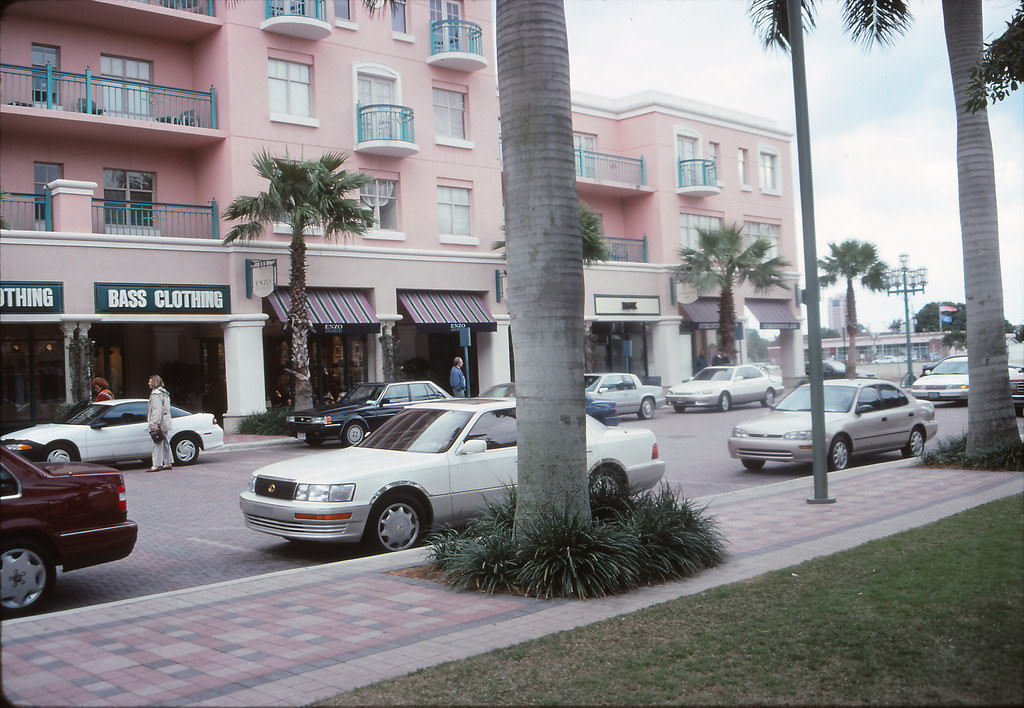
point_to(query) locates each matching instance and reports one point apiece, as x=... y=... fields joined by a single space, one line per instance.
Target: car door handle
x=885 y=418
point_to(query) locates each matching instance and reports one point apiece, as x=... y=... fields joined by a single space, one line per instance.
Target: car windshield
x=87 y=415
x=419 y=430
x=363 y=393
x=590 y=381
x=951 y=366
x=500 y=391
x=713 y=373
x=838 y=399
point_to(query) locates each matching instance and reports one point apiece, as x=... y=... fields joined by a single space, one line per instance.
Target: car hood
x=782 y=422
x=351 y=464
x=346 y=409
x=941 y=380
x=45 y=433
x=695 y=386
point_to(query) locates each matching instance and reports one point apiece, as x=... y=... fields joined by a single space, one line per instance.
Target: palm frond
x=771 y=21
x=871 y=22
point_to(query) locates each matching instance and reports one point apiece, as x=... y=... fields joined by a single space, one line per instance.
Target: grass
x=931 y=616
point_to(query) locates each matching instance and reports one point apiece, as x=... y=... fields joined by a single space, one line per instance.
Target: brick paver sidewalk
x=298 y=636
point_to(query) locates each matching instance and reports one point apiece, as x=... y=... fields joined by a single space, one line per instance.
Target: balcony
x=698 y=178
x=456 y=45
x=26 y=212
x=304 y=19
x=112 y=216
x=600 y=173
x=100 y=107
x=170 y=20
x=384 y=129
x=627 y=250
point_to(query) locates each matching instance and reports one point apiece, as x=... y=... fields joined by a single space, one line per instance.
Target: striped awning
x=701 y=313
x=331 y=311
x=434 y=311
x=773 y=314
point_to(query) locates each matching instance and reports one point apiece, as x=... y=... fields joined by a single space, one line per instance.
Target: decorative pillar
x=387 y=342
x=72 y=205
x=243 y=369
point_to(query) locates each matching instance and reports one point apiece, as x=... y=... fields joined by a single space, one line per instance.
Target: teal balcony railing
x=26 y=212
x=381 y=121
x=631 y=250
x=455 y=36
x=314 y=9
x=613 y=168
x=113 y=216
x=105 y=96
x=698 y=173
x=199 y=7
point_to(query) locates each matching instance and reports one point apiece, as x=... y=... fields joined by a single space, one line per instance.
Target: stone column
x=386 y=362
x=72 y=205
x=243 y=369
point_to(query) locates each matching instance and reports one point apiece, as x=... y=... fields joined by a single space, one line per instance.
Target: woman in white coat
x=159 y=420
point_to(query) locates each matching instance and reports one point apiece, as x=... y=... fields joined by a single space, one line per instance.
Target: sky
x=882 y=124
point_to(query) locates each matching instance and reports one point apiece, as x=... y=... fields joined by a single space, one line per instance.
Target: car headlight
x=798 y=435
x=252 y=483
x=321 y=419
x=325 y=492
x=705 y=392
x=740 y=433
x=17 y=446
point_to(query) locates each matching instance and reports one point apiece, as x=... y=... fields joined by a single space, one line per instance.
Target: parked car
x=861 y=416
x=722 y=387
x=626 y=391
x=71 y=515
x=599 y=408
x=835 y=369
x=431 y=465
x=113 y=431
x=945 y=381
x=889 y=359
x=1017 y=388
x=360 y=411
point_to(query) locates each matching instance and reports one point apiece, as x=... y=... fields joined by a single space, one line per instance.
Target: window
x=692 y=222
x=744 y=170
x=127 y=97
x=290 y=88
x=43 y=56
x=585 y=152
x=713 y=151
x=496 y=428
x=453 y=210
x=450 y=113
x=686 y=147
x=381 y=196
x=129 y=197
x=398 y=22
x=753 y=230
x=769 y=172
x=343 y=9
x=42 y=174
x=892 y=397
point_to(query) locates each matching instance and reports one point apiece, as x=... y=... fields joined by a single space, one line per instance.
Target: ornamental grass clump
x=269 y=422
x=952 y=452
x=630 y=541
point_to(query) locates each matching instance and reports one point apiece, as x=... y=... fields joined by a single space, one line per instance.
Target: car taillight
x=122 y=497
x=654 y=451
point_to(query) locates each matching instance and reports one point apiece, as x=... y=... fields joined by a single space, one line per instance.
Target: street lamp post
x=904 y=281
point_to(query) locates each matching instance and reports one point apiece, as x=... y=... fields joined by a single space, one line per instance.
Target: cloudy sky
x=882 y=123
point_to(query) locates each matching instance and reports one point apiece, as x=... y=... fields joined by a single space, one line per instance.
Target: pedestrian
x=457 y=379
x=700 y=362
x=720 y=359
x=101 y=390
x=159 y=419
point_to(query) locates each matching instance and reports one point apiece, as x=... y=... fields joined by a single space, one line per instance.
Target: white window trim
x=380 y=71
x=309 y=122
x=452 y=239
x=744 y=185
x=454 y=142
x=770 y=150
x=346 y=24
x=688 y=133
x=403 y=37
x=384 y=235
x=281 y=227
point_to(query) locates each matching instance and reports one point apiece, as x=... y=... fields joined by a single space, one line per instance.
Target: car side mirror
x=864 y=408
x=473 y=447
x=97 y=424
x=603 y=389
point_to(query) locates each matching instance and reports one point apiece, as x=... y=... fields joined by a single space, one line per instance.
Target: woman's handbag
x=156 y=434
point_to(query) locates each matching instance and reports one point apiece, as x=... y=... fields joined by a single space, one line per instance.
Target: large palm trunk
x=298 y=320
x=545 y=258
x=990 y=417
x=851 y=331
x=727 y=323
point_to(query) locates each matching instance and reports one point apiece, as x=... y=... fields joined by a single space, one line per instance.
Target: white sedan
x=110 y=431
x=433 y=464
x=861 y=415
x=722 y=387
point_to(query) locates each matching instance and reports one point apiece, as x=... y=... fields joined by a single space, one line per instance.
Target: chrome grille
x=765 y=454
x=307 y=528
x=275 y=488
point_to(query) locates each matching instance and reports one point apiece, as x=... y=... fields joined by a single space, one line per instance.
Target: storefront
x=620 y=336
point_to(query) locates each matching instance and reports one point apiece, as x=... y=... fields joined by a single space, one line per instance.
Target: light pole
x=904 y=281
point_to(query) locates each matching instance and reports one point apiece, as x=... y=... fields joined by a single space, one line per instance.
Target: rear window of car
x=9 y=486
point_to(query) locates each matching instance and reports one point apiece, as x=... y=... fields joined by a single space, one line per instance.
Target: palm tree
x=722 y=262
x=595 y=248
x=850 y=260
x=308 y=195
x=990 y=418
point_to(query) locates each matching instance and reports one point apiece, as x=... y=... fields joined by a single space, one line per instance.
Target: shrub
x=630 y=540
x=269 y=422
x=952 y=452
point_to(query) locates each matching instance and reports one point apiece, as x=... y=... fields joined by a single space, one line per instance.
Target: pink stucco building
x=128 y=126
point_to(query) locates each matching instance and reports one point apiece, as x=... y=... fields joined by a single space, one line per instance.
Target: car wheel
x=915 y=444
x=769 y=398
x=646 y=411
x=395 y=524
x=353 y=433
x=680 y=409
x=607 y=480
x=184 y=449
x=28 y=576
x=61 y=452
x=724 y=401
x=753 y=464
x=839 y=454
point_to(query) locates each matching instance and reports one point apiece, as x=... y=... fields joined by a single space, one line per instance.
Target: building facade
x=129 y=125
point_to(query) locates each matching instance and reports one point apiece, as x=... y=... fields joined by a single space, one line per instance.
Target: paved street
x=191 y=531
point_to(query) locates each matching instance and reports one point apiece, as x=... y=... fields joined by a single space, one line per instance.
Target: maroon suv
x=69 y=514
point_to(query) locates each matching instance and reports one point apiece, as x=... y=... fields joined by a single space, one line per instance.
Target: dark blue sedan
x=600 y=409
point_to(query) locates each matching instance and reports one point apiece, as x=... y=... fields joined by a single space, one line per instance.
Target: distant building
x=837 y=312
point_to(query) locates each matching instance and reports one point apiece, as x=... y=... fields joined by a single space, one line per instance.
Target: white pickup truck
x=629 y=394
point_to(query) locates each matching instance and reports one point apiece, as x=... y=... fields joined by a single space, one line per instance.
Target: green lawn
x=930 y=616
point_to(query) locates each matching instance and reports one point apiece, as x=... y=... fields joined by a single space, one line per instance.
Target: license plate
x=300 y=436
x=932 y=396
